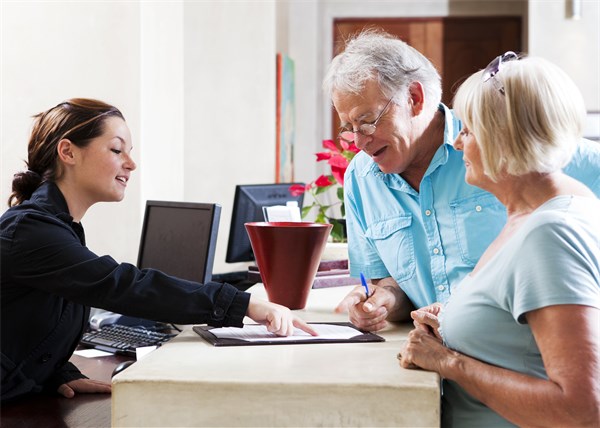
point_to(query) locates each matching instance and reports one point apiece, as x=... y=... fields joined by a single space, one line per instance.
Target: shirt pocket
x=394 y=241
x=477 y=221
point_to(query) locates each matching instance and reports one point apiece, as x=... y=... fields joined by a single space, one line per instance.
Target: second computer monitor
x=179 y=238
x=248 y=206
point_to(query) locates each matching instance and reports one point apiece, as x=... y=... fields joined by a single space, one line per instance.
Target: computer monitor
x=179 y=238
x=248 y=202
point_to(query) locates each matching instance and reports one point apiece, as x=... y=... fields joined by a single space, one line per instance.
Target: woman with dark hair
x=78 y=155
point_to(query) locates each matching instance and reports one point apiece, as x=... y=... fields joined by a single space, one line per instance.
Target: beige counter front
x=188 y=382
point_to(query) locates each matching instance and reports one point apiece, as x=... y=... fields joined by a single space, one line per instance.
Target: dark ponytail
x=80 y=120
x=23 y=185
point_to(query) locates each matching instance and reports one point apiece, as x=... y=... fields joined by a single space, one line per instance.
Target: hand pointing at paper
x=278 y=319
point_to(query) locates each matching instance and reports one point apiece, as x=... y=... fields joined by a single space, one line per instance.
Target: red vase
x=288 y=256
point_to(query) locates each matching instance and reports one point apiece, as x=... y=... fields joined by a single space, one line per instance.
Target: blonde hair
x=534 y=127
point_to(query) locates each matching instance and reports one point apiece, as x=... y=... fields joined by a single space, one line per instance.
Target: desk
x=188 y=382
x=83 y=410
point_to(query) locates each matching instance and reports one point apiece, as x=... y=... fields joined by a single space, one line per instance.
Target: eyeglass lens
x=364 y=128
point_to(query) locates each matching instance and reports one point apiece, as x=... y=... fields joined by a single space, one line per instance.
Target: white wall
x=208 y=103
x=195 y=81
x=161 y=142
x=574 y=45
x=304 y=45
x=52 y=51
x=229 y=50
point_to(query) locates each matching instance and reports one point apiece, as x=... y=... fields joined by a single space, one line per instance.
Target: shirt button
x=436 y=251
x=218 y=313
x=478 y=208
x=441 y=287
x=427 y=213
x=46 y=357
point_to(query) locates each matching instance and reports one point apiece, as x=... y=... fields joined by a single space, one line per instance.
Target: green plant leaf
x=337 y=233
x=306 y=210
x=321 y=218
x=320 y=190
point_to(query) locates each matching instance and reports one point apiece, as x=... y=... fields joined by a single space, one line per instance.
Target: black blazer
x=49 y=279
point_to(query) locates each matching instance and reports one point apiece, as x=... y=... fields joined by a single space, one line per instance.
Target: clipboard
x=365 y=336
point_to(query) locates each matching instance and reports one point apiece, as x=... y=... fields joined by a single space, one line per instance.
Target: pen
x=364 y=284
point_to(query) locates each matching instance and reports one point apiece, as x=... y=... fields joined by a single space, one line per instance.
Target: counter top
x=188 y=382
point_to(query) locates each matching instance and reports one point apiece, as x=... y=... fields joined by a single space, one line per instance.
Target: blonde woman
x=517 y=343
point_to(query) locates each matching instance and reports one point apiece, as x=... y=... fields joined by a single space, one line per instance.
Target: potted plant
x=338 y=158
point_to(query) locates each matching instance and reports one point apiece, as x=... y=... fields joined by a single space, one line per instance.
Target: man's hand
x=83 y=386
x=387 y=302
x=277 y=318
x=368 y=314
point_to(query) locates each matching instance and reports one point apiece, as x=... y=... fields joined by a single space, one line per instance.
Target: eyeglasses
x=495 y=66
x=365 y=129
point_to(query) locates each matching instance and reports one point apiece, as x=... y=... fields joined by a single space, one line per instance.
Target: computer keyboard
x=123 y=339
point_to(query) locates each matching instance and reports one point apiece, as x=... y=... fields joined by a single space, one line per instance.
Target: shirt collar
x=49 y=197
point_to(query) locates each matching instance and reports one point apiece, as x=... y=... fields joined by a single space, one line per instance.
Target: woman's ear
x=65 y=151
x=416 y=97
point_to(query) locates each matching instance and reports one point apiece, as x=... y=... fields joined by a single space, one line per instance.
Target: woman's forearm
x=522 y=399
x=567 y=336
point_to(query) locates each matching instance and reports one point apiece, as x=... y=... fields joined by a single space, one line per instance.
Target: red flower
x=338 y=158
x=297 y=189
x=352 y=148
x=339 y=161
x=323 y=156
x=329 y=144
x=323 y=181
x=338 y=174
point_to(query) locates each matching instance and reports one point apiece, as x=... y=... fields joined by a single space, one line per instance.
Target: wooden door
x=471 y=43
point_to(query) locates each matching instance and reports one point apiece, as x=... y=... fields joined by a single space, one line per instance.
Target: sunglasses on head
x=494 y=67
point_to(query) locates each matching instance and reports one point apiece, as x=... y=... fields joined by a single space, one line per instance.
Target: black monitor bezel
x=214 y=230
x=237 y=225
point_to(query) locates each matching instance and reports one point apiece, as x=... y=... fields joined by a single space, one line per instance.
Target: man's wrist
x=402 y=305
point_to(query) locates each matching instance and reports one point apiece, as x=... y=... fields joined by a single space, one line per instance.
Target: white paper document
x=288 y=212
x=92 y=353
x=259 y=333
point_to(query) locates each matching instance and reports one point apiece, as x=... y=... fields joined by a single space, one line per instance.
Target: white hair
x=375 y=55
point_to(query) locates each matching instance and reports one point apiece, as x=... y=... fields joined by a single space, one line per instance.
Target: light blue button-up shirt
x=429 y=240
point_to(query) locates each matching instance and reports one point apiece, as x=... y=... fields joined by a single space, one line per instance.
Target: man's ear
x=416 y=97
x=65 y=151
